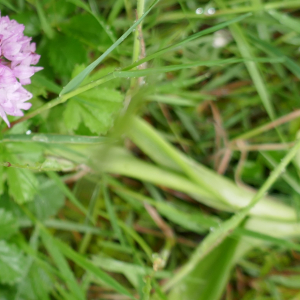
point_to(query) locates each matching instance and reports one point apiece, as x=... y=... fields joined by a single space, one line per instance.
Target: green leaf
x=106 y=28
x=209 y=277
x=37 y=89
x=96 y=108
x=57 y=12
x=22 y=184
x=8 y=224
x=12 y=263
x=31 y=22
x=48 y=201
x=72 y=115
x=36 y=285
x=11 y=206
x=80 y=4
x=64 y=53
x=65 y=189
x=86 y=29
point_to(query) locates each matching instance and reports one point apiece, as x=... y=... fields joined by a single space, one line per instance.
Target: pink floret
x=17 y=55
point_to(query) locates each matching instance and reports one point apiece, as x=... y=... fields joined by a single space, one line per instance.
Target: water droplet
x=211 y=11
x=199 y=10
x=28 y=132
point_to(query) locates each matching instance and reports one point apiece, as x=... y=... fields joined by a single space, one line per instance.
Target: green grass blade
x=212 y=63
x=188 y=39
x=286 y=20
x=62 y=265
x=90 y=267
x=131 y=232
x=291 y=64
x=266 y=238
x=44 y=22
x=290 y=180
x=75 y=82
x=196 y=222
x=74 y=226
x=253 y=70
x=112 y=215
x=54 y=139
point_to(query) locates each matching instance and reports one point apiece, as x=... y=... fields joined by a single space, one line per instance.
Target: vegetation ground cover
x=160 y=158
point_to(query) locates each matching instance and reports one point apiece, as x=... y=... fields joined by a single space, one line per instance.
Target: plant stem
x=137 y=38
x=64 y=98
x=137 y=53
x=217 y=236
x=256 y=131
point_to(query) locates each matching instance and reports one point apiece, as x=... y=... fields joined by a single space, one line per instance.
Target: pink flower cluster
x=17 y=55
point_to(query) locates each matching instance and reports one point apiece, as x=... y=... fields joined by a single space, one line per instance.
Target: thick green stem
x=217 y=236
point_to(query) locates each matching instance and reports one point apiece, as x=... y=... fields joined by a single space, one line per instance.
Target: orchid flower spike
x=17 y=55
